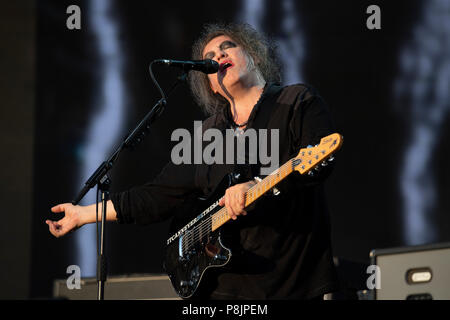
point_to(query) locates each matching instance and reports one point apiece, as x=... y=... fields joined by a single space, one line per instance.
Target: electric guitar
x=197 y=246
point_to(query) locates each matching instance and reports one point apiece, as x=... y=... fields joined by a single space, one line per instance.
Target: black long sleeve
x=156 y=200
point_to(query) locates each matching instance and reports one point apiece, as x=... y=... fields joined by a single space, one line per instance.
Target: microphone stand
x=100 y=177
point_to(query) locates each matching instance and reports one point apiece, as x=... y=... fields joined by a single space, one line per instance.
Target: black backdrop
x=353 y=68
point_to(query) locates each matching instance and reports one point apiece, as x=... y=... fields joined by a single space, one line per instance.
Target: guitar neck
x=254 y=193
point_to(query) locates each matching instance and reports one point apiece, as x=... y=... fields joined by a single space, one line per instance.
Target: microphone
x=206 y=66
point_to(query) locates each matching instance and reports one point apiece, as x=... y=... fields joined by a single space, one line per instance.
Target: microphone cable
x=163 y=96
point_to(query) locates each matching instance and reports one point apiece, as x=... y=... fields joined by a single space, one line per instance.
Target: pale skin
x=240 y=85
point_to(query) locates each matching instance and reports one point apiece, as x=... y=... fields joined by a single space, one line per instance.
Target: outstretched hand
x=70 y=222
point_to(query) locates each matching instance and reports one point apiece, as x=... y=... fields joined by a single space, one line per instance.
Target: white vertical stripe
x=105 y=126
x=424 y=81
x=291 y=44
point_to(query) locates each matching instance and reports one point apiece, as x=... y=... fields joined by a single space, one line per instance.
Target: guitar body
x=195 y=250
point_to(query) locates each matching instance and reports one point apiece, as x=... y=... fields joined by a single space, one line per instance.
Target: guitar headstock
x=309 y=158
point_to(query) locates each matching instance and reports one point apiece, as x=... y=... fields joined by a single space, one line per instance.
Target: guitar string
x=195 y=234
x=250 y=194
x=204 y=228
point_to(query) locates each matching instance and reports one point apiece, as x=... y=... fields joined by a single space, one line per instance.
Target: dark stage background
x=92 y=85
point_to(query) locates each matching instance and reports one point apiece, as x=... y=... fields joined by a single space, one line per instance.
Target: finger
x=58 y=208
x=241 y=201
x=51 y=222
x=238 y=204
x=230 y=210
x=53 y=228
x=242 y=204
x=55 y=223
x=58 y=225
x=235 y=204
x=229 y=207
x=222 y=201
x=61 y=229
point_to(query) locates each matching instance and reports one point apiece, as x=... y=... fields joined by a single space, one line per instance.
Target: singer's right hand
x=70 y=222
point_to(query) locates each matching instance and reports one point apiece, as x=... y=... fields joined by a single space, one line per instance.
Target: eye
x=228 y=44
x=209 y=55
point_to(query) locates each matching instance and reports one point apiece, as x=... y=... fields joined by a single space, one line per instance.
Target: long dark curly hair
x=258 y=46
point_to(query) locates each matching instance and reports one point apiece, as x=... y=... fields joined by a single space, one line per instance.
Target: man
x=281 y=246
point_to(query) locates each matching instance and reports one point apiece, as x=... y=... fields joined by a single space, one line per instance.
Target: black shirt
x=281 y=248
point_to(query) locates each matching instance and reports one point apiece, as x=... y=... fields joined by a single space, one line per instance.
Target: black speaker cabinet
x=412 y=273
x=127 y=287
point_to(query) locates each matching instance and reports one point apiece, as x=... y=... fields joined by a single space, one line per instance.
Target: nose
x=222 y=54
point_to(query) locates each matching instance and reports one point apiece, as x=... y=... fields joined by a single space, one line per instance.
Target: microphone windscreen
x=211 y=66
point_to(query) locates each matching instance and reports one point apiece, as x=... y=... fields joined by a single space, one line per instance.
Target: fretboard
x=221 y=217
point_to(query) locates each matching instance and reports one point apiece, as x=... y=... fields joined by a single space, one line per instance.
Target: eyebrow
x=222 y=45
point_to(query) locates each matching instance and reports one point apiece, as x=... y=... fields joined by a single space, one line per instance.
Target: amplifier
x=412 y=273
x=125 y=287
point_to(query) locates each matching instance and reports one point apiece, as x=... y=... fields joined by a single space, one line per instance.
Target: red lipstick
x=225 y=65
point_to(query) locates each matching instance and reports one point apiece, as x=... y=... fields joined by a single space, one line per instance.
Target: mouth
x=225 y=65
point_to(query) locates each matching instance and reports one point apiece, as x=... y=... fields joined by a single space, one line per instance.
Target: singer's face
x=233 y=62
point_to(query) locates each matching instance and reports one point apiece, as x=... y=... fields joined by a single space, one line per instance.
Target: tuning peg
x=330 y=159
x=311 y=173
x=324 y=163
